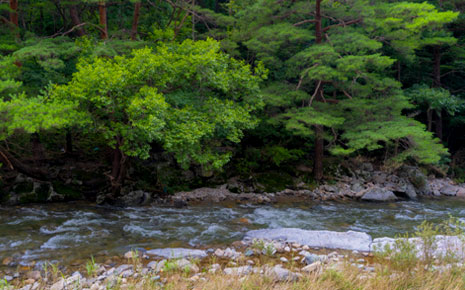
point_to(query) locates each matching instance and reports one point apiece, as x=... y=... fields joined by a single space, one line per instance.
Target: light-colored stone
x=322 y=239
x=312 y=267
x=60 y=285
x=280 y=274
x=33 y=275
x=238 y=271
x=379 y=194
x=176 y=253
x=219 y=253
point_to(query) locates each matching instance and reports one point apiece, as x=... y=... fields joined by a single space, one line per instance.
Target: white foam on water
x=63 y=241
x=138 y=230
x=410 y=218
x=55 y=230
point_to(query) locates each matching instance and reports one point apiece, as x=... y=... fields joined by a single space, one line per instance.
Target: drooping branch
x=17 y=165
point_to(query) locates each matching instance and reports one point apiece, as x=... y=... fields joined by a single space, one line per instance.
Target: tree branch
x=342 y=24
x=305 y=21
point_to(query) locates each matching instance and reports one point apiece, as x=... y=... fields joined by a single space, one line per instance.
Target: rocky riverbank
x=280 y=255
x=364 y=184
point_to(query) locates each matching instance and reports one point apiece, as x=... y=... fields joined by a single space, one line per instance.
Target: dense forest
x=165 y=95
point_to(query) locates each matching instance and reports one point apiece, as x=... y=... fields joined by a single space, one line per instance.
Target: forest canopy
x=220 y=88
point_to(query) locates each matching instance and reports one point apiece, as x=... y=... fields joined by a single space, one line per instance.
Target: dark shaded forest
x=167 y=95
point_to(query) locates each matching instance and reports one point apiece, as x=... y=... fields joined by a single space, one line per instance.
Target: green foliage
x=189 y=97
x=91 y=267
x=435 y=99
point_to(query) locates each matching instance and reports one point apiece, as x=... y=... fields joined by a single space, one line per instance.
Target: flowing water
x=73 y=231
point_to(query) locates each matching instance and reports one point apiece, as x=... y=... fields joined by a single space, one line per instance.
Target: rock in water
x=379 y=194
x=175 y=253
x=317 y=239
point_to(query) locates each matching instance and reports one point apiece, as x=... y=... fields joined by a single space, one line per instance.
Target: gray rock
x=449 y=190
x=312 y=267
x=379 y=194
x=238 y=271
x=281 y=274
x=8 y=278
x=311 y=258
x=175 y=253
x=231 y=253
x=322 y=239
x=122 y=268
x=127 y=273
x=248 y=253
x=33 y=275
x=152 y=265
x=60 y=285
x=137 y=197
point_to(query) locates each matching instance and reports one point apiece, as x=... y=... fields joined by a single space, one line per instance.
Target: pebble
x=35 y=275
x=238 y=271
x=7 y=261
x=219 y=253
x=127 y=273
x=8 y=278
x=128 y=255
x=312 y=267
x=287 y=249
x=250 y=262
x=214 y=268
x=58 y=285
x=248 y=253
x=284 y=260
x=29 y=281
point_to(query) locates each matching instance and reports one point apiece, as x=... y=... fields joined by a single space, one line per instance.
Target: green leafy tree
x=190 y=98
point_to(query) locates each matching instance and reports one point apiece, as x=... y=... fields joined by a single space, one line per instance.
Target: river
x=66 y=232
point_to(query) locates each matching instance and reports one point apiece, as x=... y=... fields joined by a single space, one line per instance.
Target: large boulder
x=317 y=239
x=379 y=194
x=419 y=180
x=176 y=253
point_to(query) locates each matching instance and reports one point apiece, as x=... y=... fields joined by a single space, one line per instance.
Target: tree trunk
x=193 y=20
x=439 y=125
x=437 y=84
x=69 y=142
x=118 y=171
x=73 y=13
x=37 y=148
x=135 y=20
x=319 y=141
x=436 y=67
x=319 y=153
x=102 y=9
x=14 y=12
x=429 y=115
